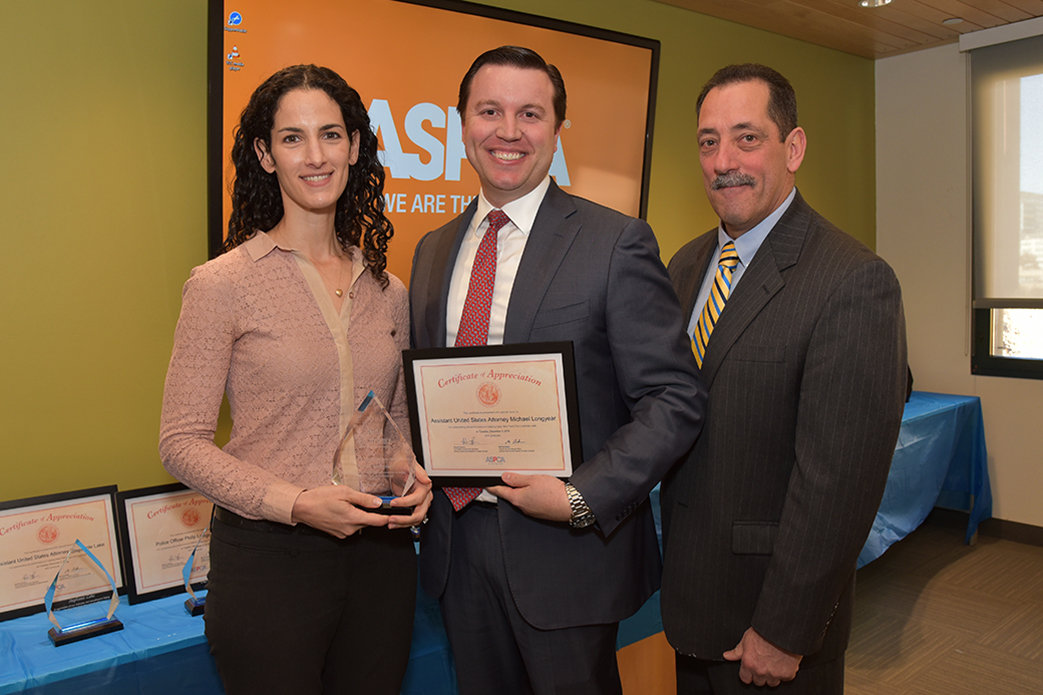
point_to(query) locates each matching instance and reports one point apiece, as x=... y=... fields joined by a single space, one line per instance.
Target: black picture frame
x=411 y=358
x=71 y=496
x=136 y=594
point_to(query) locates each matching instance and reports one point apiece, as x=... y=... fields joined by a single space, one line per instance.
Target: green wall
x=103 y=207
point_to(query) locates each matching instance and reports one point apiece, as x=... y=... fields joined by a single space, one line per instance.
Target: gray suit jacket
x=592 y=276
x=806 y=370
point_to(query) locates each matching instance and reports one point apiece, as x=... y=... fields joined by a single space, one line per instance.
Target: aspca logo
x=443 y=154
x=495 y=459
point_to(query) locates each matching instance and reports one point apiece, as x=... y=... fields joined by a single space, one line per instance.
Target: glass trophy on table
x=80 y=568
x=374 y=456
x=195 y=605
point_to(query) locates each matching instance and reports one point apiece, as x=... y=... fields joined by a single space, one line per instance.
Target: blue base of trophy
x=82 y=631
x=386 y=508
x=195 y=606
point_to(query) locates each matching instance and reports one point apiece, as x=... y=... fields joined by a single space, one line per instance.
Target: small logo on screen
x=235 y=19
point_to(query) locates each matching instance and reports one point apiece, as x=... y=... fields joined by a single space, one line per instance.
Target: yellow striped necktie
x=722 y=287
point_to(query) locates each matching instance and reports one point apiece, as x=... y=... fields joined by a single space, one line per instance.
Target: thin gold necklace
x=340 y=276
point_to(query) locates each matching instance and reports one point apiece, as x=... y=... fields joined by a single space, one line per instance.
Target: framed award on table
x=61 y=552
x=165 y=531
x=479 y=412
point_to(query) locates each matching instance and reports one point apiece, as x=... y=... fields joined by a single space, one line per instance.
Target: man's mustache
x=732 y=179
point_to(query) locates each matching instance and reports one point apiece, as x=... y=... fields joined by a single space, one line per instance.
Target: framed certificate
x=36 y=535
x=160 y=528
x=478 y=412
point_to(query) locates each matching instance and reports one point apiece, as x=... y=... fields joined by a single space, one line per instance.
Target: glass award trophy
x=78 y=565
x=195 y=604
x=374 y=457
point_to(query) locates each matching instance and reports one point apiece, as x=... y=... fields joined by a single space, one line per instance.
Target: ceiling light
x=874 y=3
x=952 y=20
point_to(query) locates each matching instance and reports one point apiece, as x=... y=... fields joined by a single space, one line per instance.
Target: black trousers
x=295 y=610
x=696 y=676
x=495 y=650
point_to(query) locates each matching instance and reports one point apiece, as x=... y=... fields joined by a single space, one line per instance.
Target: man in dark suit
x=806 y=368
x=534 y=576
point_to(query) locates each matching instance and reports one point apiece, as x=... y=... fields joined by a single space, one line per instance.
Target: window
x=1007 y=161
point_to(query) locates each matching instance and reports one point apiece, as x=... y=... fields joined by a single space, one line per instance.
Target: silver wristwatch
x=581 y=514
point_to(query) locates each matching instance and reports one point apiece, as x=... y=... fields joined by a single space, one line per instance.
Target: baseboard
x=1012 y=531
x=993 y=528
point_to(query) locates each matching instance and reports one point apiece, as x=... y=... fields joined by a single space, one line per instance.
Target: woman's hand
x=338 y=510
x=419 y=498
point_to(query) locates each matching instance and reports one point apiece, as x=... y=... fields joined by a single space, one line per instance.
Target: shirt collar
x=748 y=243
x=260 y=245
x=521 y=211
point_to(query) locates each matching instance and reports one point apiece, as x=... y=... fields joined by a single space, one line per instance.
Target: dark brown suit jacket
x=806 y=369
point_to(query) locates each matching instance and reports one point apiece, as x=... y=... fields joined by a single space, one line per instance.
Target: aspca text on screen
x=443 y=159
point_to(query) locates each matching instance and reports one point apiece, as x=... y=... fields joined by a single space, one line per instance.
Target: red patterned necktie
x=474 y=321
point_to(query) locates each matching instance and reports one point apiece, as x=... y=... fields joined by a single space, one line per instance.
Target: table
x=162 y=650
x=940 y=459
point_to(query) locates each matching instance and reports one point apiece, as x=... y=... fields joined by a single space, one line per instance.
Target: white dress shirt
x=510 y=244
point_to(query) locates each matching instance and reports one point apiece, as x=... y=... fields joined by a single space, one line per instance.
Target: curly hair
x=256 y=198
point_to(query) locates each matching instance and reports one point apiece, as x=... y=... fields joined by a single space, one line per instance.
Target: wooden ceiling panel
x=976 y=12
x=902 y=26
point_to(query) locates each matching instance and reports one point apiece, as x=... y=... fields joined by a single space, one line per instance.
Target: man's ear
x=264 y=156
x=796 y=143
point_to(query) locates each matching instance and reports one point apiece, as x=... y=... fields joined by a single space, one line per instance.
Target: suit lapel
x=447 y=248
x=690 y=281
x=553 y=232
x=762 y=280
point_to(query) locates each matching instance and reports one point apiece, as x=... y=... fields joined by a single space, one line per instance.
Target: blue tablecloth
x=940 y=459
x=162 y=650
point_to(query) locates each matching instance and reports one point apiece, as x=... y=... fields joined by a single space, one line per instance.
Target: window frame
x=983 y=320
x=984 y=363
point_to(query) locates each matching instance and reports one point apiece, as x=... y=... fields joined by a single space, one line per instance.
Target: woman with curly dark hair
x=310 y=589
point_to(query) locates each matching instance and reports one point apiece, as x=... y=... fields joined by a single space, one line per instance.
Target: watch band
x=582 y=516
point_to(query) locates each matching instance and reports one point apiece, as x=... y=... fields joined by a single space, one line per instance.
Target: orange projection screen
x=406 y=59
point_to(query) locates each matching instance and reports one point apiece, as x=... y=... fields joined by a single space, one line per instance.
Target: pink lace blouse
x=257 y=324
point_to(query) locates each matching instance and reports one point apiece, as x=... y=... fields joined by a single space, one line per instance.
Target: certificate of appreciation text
x=481 y=412
x=35 y=538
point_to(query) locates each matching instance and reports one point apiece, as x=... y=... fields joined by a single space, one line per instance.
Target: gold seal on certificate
x=478 y=412
x=36 y=536
x=374 y=456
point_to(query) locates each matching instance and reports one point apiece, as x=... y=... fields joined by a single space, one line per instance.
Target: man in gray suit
x=806 y=368
x=534 y=576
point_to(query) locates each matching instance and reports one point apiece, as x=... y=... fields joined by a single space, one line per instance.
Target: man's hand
x=539 y=496
x=763 y=663
x=336 y=509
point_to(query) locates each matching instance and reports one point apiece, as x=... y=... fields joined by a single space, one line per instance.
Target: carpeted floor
x=934 y=616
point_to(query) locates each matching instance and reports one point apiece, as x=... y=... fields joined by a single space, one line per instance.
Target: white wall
x=923 y=230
